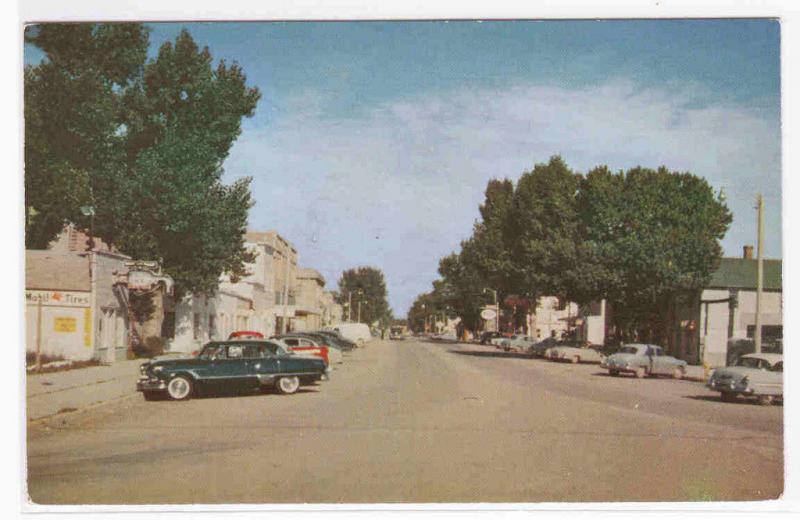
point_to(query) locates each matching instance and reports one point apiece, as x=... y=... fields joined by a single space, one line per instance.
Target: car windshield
x=749 y=362
x=210 y=351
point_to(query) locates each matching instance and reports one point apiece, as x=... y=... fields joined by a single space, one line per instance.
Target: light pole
x=759 y=272
x=359 y=309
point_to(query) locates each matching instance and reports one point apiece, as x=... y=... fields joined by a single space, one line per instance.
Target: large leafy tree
x=368 y=286
x=72 y=108
x=142 y=142
x=543 y=231
x=653 y=234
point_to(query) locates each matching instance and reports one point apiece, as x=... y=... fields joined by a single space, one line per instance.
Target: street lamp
x=88 y=211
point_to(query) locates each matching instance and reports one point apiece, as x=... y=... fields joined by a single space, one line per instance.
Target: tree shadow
x=500 y=354
x=738 y=401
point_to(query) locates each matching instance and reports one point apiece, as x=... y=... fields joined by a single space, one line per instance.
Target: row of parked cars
x=756 y=375
x=249 y=361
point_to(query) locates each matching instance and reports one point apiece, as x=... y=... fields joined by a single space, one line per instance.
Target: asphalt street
x=411 y=421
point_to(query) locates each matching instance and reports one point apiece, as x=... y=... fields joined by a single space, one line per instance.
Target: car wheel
x=728 y=397
x=765 y=400
x=678 y=373
x=152 y=396
x=641 y=372
x=613 y=373
x=288 y=385
x=576 y=359
x=179 y=388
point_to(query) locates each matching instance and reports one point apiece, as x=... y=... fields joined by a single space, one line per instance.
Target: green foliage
x=367 y=285
x=637 y=238
x=142 y=142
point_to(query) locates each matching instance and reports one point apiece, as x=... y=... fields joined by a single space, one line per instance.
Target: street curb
x=57 y=415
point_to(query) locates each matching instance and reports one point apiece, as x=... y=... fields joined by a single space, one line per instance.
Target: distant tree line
x=364 y=288
x=637 y=238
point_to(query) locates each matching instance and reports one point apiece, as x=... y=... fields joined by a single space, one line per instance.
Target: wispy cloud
x=398 y=185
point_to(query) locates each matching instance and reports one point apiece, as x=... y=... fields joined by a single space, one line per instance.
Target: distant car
x=738 y=347
x=754 y=375
x=302 y=344
x=574 y=354
x=644 y=360
x=358 y=333
x=518 y=344
x=230 y=366
x=343 y=343
x=539 y=349
x=498 y=341
x=487 y=336
x=396 y=333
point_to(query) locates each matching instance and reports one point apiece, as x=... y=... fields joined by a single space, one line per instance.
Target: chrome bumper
x=148 y=384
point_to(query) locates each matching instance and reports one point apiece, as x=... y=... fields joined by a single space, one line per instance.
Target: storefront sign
x=488 y=314
x=58 y=298
x=65 y=324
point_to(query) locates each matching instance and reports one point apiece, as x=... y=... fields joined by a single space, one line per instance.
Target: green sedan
x=230 y=366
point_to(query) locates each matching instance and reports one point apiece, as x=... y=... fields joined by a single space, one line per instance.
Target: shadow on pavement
x=480 y=353
x=738 y=401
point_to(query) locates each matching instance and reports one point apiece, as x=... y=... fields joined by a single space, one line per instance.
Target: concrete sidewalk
x=72 y=390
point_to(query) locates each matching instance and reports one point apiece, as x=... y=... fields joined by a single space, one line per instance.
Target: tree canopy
x=637 y=238
x=143 y=142
x=368 y=286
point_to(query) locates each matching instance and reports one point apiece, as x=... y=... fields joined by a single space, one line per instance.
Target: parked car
x=574 y=353
x=498 y=341
x=539 y=349
x=487 y=336
x=517 y=344
x=644 y=360
x=342 y=343
x=230 y=366
x=303 y=344
x=738 y=347
x=753 y=375
x=358 y=333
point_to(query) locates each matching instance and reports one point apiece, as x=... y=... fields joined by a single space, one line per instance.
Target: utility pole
x=349 y=306
x=359 y=310
x=39 y=334
x=760 y=272
x=285 y=320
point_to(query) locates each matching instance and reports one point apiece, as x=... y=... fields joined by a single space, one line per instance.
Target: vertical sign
x=87 y=327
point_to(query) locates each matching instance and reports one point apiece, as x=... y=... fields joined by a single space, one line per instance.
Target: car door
x=268 y=363
x=659 y=362
x=231 y=371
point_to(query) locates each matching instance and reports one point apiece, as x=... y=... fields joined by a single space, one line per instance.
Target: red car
x=318 y=351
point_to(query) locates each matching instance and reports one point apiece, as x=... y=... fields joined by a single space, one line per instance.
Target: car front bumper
x=728 y=387
x=150 y=384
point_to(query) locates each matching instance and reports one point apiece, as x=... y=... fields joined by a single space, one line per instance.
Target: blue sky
x=373 y=142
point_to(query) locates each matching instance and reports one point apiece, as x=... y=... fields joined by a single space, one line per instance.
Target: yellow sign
x=87 y=327
x=65 y=324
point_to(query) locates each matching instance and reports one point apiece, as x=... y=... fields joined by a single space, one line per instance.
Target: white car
x=358 y=333
x=753 y=375
x=573 y=354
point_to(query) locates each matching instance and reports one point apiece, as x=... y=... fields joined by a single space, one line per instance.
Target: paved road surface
x=420 y=422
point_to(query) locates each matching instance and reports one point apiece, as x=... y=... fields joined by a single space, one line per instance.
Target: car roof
x=769 y=357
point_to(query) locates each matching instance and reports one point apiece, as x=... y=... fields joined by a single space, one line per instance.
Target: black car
x=230 y=366
x=487 y=336
x=344 y=343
